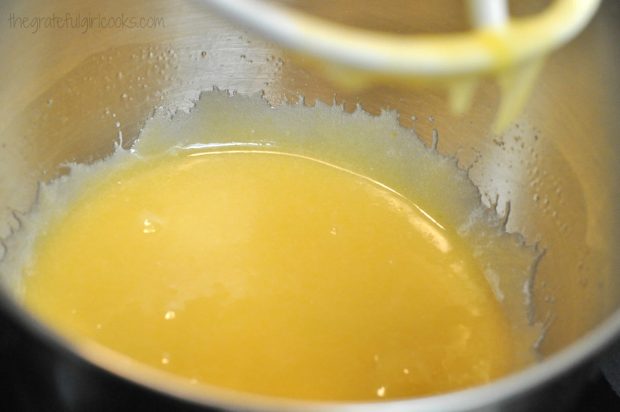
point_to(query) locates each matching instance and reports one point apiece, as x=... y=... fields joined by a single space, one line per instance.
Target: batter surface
x=271 y=273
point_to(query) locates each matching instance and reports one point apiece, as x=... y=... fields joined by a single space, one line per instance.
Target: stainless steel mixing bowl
x=67 y=91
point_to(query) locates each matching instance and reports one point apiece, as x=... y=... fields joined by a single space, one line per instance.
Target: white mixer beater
x=511 y=49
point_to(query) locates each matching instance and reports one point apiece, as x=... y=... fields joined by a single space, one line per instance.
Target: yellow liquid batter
x=270 y=273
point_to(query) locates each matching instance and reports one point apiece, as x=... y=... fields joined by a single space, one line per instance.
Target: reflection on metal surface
x=63 y=99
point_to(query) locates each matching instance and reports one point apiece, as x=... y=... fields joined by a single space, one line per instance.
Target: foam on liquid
x=294 y=252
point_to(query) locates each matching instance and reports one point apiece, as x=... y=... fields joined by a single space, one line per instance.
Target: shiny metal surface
x=67 y=93
x=432 y=57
